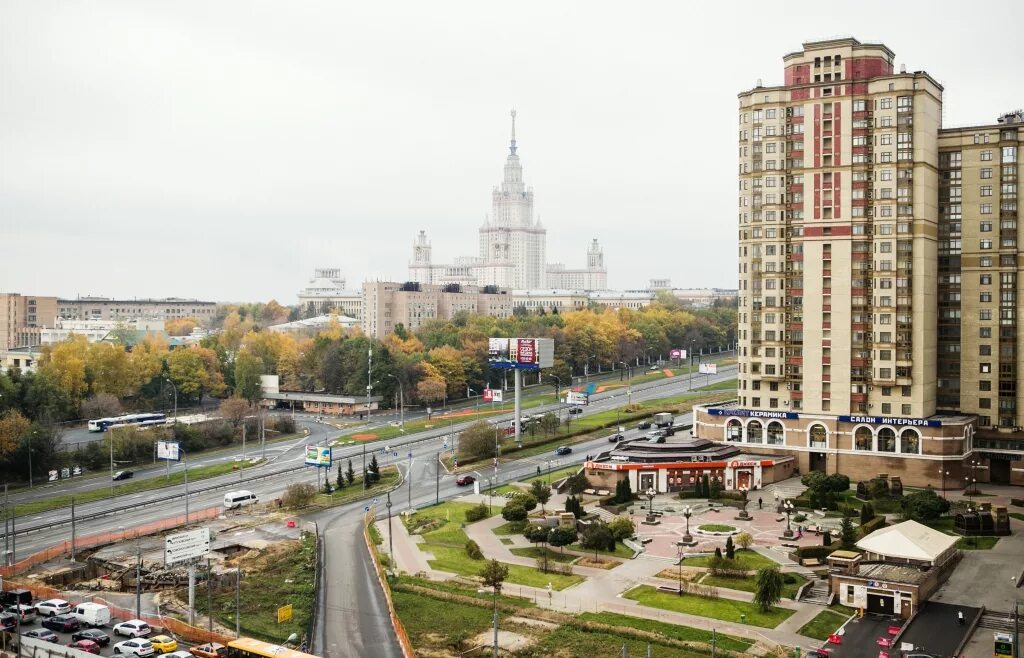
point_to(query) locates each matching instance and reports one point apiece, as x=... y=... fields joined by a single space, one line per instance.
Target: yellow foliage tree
x=64 y=364
x=180 y=326
x=13 y=426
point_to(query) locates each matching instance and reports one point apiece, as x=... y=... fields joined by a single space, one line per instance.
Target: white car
x=136 y=646
x=52 y=607
x=133 y=628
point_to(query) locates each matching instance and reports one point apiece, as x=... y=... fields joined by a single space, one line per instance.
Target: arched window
x=818 y=436
x=775 y=433
x=754 y=432
x=733 y=430
x=887 y=440
x=863 y=437
x=910 y=442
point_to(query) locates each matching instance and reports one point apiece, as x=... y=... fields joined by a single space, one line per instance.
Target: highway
x=353 y=617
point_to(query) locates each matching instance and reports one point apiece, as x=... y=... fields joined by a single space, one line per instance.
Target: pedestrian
x=960 y=616
x=760 y=503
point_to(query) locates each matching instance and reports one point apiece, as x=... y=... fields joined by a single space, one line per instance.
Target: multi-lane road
x=353 y=616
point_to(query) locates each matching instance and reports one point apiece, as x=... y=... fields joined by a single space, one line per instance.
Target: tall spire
x=512 y=148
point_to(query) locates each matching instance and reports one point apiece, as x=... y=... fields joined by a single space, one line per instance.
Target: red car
x=463 y=480
x=85 y=645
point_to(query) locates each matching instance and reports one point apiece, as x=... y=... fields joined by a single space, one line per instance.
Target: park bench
x=810 y=562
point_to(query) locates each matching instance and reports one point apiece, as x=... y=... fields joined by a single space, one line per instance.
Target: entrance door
x=647 y=481
x=907 y=609
x=743 y=479
x=999 y=471
x=881 y=604
x=819 y=461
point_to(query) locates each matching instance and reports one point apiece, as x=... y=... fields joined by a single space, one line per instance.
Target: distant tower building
x=420 y=266
x=593 y=277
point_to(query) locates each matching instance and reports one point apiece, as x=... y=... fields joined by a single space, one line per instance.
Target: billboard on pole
x=187 y=545
x=169 y=450
x=521 y=353
x=319 y=456
x=492 y=395
x=677 y=354
x=708 y=369
x=577 y=397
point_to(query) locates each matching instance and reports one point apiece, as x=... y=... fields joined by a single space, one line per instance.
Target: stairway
x=787 y=490
x=817 y=593
x=997 y=621
x=603 y=514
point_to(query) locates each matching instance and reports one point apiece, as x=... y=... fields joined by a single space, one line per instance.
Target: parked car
x=615 y=438
x=51 y=607
x=26 y=612
x=123 y=475
x=93 y=634
x=209 y=650
x=163 y=643
x=44 y=634
x=8 y=621
x=644 y=425
x=92 y=614
x=136 y=646
x=62 y=623
x=178 y=654
x=133 y=628
x=86 y=645
x=563 y=450
x=463 y=480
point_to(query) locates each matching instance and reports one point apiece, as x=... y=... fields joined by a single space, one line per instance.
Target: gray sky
x=223 y=149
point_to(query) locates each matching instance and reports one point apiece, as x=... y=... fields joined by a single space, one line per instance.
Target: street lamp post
x=175 y=389
x=692 y=343
x=401 y=401
x=629 y=383
x=687 y=513
x=788 y=508
x=30 y=458
x=679 y=563
x=651 y=493
x=743 y=512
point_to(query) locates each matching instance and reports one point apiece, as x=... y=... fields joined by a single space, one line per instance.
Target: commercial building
x=388 y=304
x=315 y=403
x=105 y=308
x=555 y=300
x=25 y=359
x=95 y=330
x=877 y=302
x=22 y=317
x=678 y=464
x=326 y=292
x=512 y=246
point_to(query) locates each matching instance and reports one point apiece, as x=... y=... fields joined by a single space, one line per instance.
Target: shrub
x=744 y=540
x=800 y=518
x=872 y=525
x=477 y=513
x=867 y=512
x=924 y=506
x=284 y=424
x=788 y=578
x=478 y=441
x=298 y=495
x=576 y=483
x=514 y=511
x=730 y=549
x=473 y=550
x=622 y=528
x=527 y=500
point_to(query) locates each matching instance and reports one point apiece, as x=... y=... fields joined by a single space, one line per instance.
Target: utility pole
x=410 y=481
x=6 y=526
x=495 y=596
x=238 y=602
x=73 y=529
x=138 y=580
x=364 y=467
x=243 y=453
x=391 y=533
x=437 y=479
x=209 y=595
x=518 y=381
x=369 y=382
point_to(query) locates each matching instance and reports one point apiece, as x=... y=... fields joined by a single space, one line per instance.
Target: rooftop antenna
x=512 y=148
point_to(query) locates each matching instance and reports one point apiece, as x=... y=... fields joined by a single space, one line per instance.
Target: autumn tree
x=248 y=369
x=13 y=426
x=478 y=441
x=101 y=405
x=180 y=326
x=195 y=372
x=64 y=364
x=234 y=410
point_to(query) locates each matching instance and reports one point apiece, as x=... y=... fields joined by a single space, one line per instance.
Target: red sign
x=526 y=350
x=488 y=395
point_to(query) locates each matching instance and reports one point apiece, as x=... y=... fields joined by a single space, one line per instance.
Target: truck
x=663 y=420
x=92 y=614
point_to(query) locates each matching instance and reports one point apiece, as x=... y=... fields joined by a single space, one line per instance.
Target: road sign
x=187 y=545
x=169 y=450
x=284 y=613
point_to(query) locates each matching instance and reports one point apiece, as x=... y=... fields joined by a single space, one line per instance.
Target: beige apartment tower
x=856 y=350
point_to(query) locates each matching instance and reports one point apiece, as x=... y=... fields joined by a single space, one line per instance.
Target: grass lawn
x=749 y=583
x=745 y=560
x=509 y=528
x=571 y=642
x=1017 y=515
x=177 y=477
x=684 y=633
x=621 y=550
x=723 y=609
x=463 y=589
x=420 y=615
x=555 y=475
x=389 y=477
x=716 y=527
x=503 y=489
x=281 y=575
x=976 y=543
x=444 y=522
x=824 y=624
x=727 y=385
x=455 y=560
x=537 y=552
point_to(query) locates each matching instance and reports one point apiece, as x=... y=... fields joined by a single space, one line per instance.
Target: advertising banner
x=677 y=354
x=708 y=369
x=169 y=450
x=577 y=397
x=318 y=456
x=521 y=353
x=492 y=395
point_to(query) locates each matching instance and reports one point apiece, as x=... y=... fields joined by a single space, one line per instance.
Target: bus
x=246 y=647
x=142 y=420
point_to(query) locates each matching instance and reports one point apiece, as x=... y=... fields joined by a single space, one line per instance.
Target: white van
x=92 y=614
x=236 y=499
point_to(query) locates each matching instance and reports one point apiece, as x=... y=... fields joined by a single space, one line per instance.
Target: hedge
x=872 y=525
x=1017 y=502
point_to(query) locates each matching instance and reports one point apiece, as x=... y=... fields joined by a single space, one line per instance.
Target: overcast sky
x=222 y=150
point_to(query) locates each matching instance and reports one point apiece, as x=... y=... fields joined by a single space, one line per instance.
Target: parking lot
x=39 y=628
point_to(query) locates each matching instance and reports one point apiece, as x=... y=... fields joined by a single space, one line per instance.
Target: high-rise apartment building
x=388 y=304
x=877 y=275
x=22 y=317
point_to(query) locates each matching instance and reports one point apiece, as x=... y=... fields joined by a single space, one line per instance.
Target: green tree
x=924 y=506
x=597 y=537
x=478 y=441
x=350 y=473
x=541 y=492
x=730 y=549
x=561 y=537
x=768 y=589
x=526 y=499
x=493 y=575
x=847 y=533
x=549 y=423
x=705 y=486
x=622 y=528
x=577 y=482
x=867 y=512
x=572 y=504
x=248 y=369
x=373 y=471
x=514 y=511
x=715 y=490
x=341 y=478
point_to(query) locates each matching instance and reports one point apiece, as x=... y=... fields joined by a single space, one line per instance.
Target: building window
x=733 y=430
x=775 y=433
x=754 y=432
x=910 y=442
x=986 y=209
x=986 y=156
x=862 y=438
x=886 y=440
x=818 y=436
